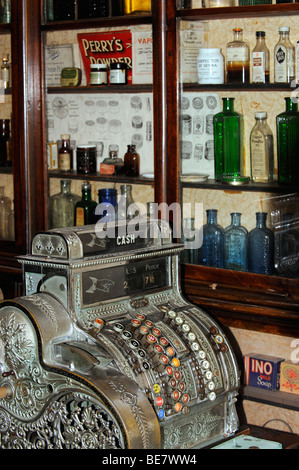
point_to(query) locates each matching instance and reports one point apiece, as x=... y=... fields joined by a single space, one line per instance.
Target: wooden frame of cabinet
x=243 y=300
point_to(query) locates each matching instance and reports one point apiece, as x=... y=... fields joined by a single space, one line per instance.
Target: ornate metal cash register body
x=104 y=352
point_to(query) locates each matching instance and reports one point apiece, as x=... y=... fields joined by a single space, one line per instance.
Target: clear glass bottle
x=261 y=150
x=228 y=147
x=5 y=72
x=286 y=246
x=108 y=200
x=211 y=252
x=284 y=57
x=5 y=207
x=61 y=206
x=85 y=208
x=127 y=209
x=261 y=247
x=189 y=255
x=287 y=126
x=65 y=154
x=131 y=161
x=236 y=244
x=136 y=7
x=260 y=60
x=237 y=59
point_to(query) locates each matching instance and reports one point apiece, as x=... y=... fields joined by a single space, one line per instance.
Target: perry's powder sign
x=106 y=48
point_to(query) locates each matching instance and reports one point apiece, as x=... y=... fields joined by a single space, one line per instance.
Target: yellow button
x=176 y=362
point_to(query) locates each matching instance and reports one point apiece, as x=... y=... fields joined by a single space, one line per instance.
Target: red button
x=159 y=401
x=176 y=395
x=170 y=351
x=169 y=370
x=172 y=383
x=158 y=348
x=181 y=386
x=163 y=341
x=136 y=323
x=149 y=324
x=177 y=374
x=151 y=338
x=140 y=317
x=185 y=398
x=143 y=330
x=157 y=332
x=164 y=359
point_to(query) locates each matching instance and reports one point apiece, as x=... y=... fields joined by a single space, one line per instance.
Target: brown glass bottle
x=65 y=154
x=131 y=161
x=237 y=59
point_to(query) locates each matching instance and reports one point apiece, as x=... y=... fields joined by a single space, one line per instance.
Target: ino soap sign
x=262 y=371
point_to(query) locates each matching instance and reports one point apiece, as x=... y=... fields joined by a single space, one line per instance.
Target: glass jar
x=261 y=150
x=261 y=247
x=118 y=73
x=237 y=59
x=86 y=159
x=98 y=74
x=211 y=251
x=61 y=206
x=131 y=161
x=127 y=209
x=236 y=244
x=210 y=66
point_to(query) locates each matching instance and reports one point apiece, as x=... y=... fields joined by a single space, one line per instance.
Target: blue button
x=161 y=414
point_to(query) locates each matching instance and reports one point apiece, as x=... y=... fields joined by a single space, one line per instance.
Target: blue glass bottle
x=236 y=244
x=261 y=246
x=211 y=252
x=108 y=202
x=189 y=255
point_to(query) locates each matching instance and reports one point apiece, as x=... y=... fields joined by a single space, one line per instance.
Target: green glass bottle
x=287 y=125
x=85 y=208
x=228 y=146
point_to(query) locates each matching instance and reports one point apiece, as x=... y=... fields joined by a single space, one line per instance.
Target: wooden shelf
x=101 y=89
x=264 y=87
x=111 y=22
x=251 y=186
x=118 y=179
x=270 y=397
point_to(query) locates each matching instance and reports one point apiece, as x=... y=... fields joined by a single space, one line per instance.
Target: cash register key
x=163 y=341
x=172 y=383
x=218 y=339
x=177 y=407
x=210 y=386
x=191 y=336
x=214 y=330
x=141 y=353
x=158 y=349
x=156 y=332
x=170 y=351
x=140 y=317
x=201 y=354
x=98 y=324
x=149 y=324
x=164 y=359
x=176 y=394
x=195 y=347
x=151 y=339
x=164 y=308
x=126 y=334
x=177 y=375
x=208 y=375
x=176 y=362
x=212 y=396
x=185 y=328
x=223 y=347
x=179 y=321
x=142 y=332
x=134 y=344
x=171 y=314
x=185 y=398
x=135 y=323
x=205 y=365
x=118 y=327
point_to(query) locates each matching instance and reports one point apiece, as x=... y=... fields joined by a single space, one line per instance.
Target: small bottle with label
x=98 y=74
x=5 y=72
x=284 y=57
x=85 y=208
x=237 y=59
x=112 y=165
x=65 y=154
x=118 y=73
x=260 y=59
x=261 y=150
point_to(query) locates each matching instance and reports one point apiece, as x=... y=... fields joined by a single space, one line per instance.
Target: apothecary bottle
x=65 y=154
x=85 y=208
x=127 y=209
x=107 y=198
x=261 y=247
x=5 y=207
x=131 y=161
x=5 y=11
x=286 y=246
x=260 y=60
x=5 y=72
x=62 y=205
x=287 y=126
x=211 y=252
x=237 y=59
x=261 y=150
x=236 y=244
x=228 y=146
x=284 y=57
x=5 y=147
x=190 y=254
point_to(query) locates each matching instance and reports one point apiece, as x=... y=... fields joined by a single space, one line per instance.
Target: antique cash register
x=104 y=352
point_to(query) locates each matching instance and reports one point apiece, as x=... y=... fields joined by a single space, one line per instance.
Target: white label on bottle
x=258 y=155
x=258 y=67
x=210 y=70
x=237 y=54
x=280 y=64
